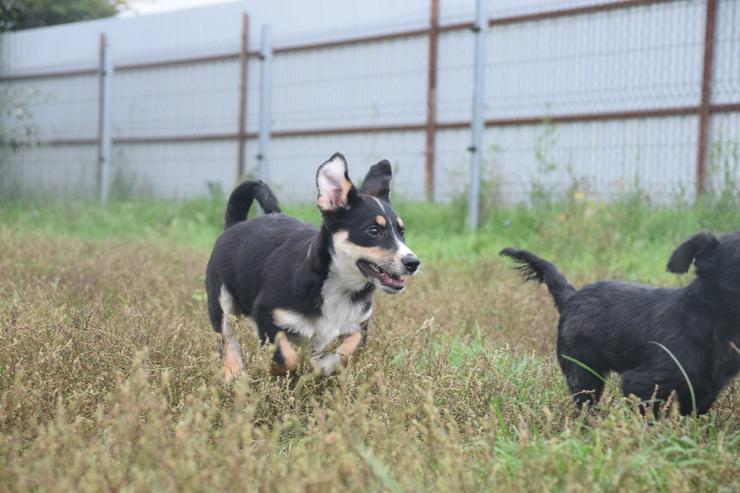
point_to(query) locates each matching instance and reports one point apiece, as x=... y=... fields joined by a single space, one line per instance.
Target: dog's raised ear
x=378 y=181
x=697 y=249
x=336 y=191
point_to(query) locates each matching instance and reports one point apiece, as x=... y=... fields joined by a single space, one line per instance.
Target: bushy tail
x=241 y=200
x=533 y=267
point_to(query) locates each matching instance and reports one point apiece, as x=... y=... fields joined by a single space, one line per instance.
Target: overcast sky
x=140 y=7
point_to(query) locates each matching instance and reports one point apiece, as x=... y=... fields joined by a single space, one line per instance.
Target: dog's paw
x=326 y=364
x=232 y=372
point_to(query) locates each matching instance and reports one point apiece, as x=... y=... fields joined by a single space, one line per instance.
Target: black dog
x=616 y=326
x=310 y=285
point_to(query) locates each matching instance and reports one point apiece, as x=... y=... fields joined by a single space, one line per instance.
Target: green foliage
x=16 y=122
x=26 y=14
x=627 y=236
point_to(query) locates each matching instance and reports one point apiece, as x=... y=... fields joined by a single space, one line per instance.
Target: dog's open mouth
x=387 y=279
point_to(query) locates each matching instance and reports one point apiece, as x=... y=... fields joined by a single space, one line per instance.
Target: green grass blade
x=733 y=346
x=584 y=366
x=380 y=470
x=685 y=376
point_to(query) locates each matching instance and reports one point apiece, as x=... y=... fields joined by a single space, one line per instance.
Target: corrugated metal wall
x=174 y=126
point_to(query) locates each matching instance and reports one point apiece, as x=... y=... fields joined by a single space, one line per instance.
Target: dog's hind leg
x=585 y=386
x=646 y=385
x=231 y=351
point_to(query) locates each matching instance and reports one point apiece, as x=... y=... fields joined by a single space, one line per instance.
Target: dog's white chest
x=340 y=315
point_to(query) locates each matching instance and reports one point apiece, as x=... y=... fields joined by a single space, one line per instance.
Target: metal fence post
x=706 y=97
x=265 y=100
x=431 y=126
x=480 y=28
x=105 y=77
x=241 y=137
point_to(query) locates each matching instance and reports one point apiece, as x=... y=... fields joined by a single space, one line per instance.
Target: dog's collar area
x=363 y=295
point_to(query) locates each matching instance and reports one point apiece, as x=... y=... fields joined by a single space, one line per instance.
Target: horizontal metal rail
x=177 y=61
x=412 y=127
x=335 y=43
x=571 y=12
x=49 y=75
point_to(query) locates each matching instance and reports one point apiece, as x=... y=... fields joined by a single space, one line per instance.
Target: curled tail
x=241 y=200
x=533 y=267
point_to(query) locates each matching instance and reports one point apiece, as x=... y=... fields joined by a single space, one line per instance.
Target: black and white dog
x=301 y=285
x=616 y=326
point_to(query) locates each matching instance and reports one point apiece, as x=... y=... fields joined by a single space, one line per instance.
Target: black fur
x=276 y=261
x=534 y=268
x=241 y=199
x=378 y=181
x=613 y=326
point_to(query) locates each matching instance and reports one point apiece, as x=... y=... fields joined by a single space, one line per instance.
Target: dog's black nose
x=411 y=263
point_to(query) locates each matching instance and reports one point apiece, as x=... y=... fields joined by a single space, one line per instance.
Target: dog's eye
x=401 y=230
x=373 y=231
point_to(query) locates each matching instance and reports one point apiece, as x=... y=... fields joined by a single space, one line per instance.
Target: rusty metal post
x=105 y=75
x=706 y=97
x=431 y=126
x=241 y=137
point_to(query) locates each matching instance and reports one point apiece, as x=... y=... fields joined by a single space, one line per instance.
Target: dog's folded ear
x=336 y=191
x=378 y=181
x=697 y=249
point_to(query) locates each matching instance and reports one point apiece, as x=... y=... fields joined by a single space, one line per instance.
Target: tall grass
x=109 y=372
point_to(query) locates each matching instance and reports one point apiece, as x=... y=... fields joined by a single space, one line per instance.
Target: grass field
x=110 y=379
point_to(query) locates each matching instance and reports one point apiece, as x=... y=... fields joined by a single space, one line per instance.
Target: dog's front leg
x=328 y=362
x=285 y=358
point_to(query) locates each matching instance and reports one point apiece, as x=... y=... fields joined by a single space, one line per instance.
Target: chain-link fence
x=592 y=97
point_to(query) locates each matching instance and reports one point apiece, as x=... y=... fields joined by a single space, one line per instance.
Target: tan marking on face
x=348 y=347
x=290 y=356
x=400 y=222
x=377 y=255
x=380 y=220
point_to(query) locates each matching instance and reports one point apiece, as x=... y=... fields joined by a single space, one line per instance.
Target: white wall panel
x=178 y=170
x=64 y=170
x=603 y=159
x=723 y=163
x=200 y=98
x=726 y=70
x=296 y=159
x=619 y=60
